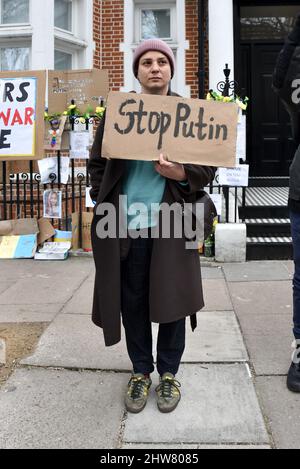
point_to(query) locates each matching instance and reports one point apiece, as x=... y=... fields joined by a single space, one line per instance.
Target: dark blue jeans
x=135 y=315
x=295 y=225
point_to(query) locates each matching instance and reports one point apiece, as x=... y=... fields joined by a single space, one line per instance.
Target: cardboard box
x=86 y=223
x=18 y=238
x=53 y=252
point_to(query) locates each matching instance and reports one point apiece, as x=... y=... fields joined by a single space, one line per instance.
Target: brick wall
x=108 y=34
x=192 y=61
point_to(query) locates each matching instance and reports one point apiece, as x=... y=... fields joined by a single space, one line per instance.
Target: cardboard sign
x=46 y=230
x=22 y=105
x=23 y=226
x=140 y=127
x=85 y=87
x=18 y=247
x=86 y=223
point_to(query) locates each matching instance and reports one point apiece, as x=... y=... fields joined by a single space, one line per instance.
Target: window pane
x=63 y=14
x=267 y=22
x=14 y=11
x=14 y=59
x=63 y=60
x=156 y=23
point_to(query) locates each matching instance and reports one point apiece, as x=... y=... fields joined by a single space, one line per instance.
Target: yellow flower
x=241 y=105
x=73 y=106
x=46 y=115
x=65 y=113
x=100 y=110
x=226 y=99
x=82 y=120
x=208 y=97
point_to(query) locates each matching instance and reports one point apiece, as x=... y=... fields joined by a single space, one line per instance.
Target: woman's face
x=53 y=199
x=154 y=73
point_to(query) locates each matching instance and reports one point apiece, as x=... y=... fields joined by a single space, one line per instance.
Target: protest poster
x=52 y=204
x=79 y=145
x=48 y=170
x=85 y=87
x=140 y=127
x=22 y=105
x=235 y=177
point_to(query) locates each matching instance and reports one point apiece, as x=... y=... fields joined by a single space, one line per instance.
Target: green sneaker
x=137 y=394
x=168 y=394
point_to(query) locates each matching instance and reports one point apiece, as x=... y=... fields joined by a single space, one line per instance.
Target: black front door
x=260 y=29
x=270 y=147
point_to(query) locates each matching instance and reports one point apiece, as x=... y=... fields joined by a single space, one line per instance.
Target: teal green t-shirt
x=142 y=184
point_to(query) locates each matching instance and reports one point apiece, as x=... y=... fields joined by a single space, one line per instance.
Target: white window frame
x=15 y=43
x=74 y=6
x=72 y=42
x=72 y=54
x=15 y=25
x=178 y=44
x=153 y=6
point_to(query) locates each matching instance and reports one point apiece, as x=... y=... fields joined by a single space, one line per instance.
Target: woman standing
x=147 y=280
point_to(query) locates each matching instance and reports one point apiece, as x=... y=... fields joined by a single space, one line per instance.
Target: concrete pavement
x=69 y=392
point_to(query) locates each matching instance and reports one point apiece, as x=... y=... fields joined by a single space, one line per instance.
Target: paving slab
x=256 y=270
x=252 y=447
x=290 y=267
x=283 y=410
x=182 y=447
x=217 y=339
x=27 y=268
x=218 y=406
x=42 y=290
x=262 y=298
x=73 y=341
x=29 y=313
x=268 y=356
x=50 y=409
x=199 y=447
x=216 y=297
x=5 y=285
x=268 y=340
x=212 y=273
x=82 y=300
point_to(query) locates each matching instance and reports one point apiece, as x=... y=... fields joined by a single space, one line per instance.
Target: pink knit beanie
x=153 y=44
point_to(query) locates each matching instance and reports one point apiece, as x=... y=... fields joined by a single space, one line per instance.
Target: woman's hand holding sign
x=170 y=170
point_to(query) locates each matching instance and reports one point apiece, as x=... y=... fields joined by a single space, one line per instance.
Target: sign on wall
x=140 y=127
x=85 y=87
x=22 y=105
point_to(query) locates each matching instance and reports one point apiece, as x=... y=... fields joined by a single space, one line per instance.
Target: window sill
x=16 y=32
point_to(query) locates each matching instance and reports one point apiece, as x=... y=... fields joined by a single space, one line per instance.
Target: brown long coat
x=175 y=274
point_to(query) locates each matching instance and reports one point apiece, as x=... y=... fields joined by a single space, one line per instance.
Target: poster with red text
x=22 y=105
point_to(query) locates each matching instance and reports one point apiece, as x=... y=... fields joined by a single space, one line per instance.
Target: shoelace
x=166 y=387
x=137 y=387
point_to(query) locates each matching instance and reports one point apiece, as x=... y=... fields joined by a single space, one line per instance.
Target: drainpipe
x=201 y=48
